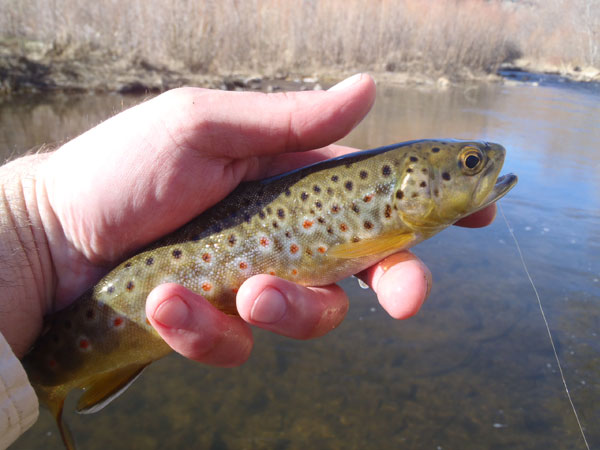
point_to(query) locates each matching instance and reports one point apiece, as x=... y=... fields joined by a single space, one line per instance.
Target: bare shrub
x=305 y=36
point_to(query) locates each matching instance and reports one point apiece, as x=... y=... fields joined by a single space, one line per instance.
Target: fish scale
x=314 y=226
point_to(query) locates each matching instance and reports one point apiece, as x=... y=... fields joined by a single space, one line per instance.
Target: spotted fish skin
x=300 y=226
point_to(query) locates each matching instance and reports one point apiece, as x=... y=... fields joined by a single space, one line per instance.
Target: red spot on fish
x=293 y=248
x=84 y=344
x=206 y=257
x=367 y=198
x=148 y=321
x=322 y=249
x=264 y=241
x=206 y=286
x=307 y=224
x=243 y=265
x=343 y=227
x=294 y=272
x=52 y=364
x=118 y=321
x=234 y=290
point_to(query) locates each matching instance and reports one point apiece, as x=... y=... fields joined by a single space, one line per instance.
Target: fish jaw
x=503 y=185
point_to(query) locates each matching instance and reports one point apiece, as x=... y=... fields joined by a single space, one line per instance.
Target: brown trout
x=314 y=226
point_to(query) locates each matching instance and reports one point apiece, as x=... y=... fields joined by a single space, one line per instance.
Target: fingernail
x=172 y=313
x=269 y=306
x=346 y=83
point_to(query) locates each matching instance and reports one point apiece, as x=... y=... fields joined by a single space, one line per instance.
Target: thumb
x=268 y=124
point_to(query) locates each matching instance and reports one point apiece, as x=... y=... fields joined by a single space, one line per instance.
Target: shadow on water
x=474 y=369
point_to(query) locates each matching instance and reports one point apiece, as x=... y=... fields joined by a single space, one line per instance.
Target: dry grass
x=449 y=37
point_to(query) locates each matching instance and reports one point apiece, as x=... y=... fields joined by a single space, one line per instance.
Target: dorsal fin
x=374 y=246
x=104 y=388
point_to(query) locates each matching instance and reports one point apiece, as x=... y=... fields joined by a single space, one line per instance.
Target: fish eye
x=471 y=160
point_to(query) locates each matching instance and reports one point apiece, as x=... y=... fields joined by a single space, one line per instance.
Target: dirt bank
x=32 y=66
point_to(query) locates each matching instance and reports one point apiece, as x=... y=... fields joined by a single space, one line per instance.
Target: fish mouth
x=503 y=184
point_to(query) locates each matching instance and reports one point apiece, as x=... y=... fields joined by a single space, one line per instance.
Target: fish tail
x=65 y=432
x=55 y=401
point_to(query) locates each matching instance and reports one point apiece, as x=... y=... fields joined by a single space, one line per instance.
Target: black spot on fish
x=368 y=225
x=318 y=204
x=335 y=209
x=111 y=289
x=176 y=253
x=436 y=192
x=281 y=213
x=355 y=239
x=316 y=188
x=335 y=178
x=288 y=234
x=287 y=192
x=386 y=171
x=312 y=211
x=435 y=149
x=261 y=214
x=269 y=210
x=149 y=261
x=275 y=224
x=320 y=220
x=329 y=191
x=414 y=158
x=348 y=165
x=399 y=194
x=424 y=170
x=348 y=185
x=127 y=265
x=446 y=176
x=90 y=314
x=363 y=174
x=232 y=240
x=355 y=208
x=304 y=196
x=388 y=211
x=196 y=237
x=415 y=195
x=246 y=217
x=423 y=184
x=129 y=285
x=330 y=230
x=409 y=170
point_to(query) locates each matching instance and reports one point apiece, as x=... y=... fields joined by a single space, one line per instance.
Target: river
x=474 y=369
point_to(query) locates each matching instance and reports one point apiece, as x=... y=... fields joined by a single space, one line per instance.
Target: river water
x=474 y=369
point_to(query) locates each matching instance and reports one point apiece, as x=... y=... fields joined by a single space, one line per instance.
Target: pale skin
x=69 y=215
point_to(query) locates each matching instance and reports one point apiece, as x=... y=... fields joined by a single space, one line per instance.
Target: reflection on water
x=474 y=369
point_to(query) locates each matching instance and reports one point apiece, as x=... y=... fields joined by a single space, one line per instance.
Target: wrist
x=26 y=270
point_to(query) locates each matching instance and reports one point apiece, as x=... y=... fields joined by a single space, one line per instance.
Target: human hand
x=136 y=177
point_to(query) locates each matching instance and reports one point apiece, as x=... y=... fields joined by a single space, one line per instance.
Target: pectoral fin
x=104 y=388
x=374 y=246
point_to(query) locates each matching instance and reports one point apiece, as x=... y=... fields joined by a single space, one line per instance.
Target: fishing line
x=537 y=295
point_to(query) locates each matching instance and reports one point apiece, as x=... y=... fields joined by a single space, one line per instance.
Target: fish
x=314 y=226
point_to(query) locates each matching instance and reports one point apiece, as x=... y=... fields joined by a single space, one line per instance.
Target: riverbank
x=153 y=45
x=34 y=66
